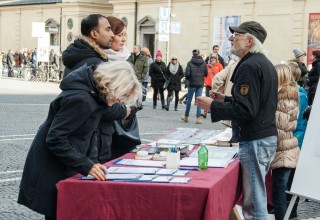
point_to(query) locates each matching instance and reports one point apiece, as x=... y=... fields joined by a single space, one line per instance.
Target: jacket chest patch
x=244 y=89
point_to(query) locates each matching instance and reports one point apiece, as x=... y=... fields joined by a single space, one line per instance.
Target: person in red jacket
x=213 y=67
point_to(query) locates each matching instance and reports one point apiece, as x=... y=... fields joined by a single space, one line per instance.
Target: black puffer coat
x=175 y=79
x=156 y=71
x=196 y=70
x=77 y=54
x=65 y=143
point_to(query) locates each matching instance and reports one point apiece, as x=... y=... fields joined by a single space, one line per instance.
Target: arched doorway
x=147 y=31
x=53 y=28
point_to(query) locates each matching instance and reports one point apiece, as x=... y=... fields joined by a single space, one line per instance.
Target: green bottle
x=203 y=157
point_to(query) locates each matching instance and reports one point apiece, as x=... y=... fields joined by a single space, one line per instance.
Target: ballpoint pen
x=191 y=168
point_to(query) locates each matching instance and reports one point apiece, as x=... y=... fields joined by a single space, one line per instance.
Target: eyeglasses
x=174 y=59
x=235 y=34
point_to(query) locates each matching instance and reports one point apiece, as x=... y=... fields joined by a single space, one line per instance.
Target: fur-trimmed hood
x=81 y=49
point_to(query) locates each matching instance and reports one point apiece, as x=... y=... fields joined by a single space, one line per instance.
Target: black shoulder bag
x=126 y=136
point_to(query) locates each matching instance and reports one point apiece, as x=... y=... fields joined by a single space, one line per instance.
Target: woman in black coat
x=157 y=72
x=66 y=142
x=174 y=72
x=314 y=75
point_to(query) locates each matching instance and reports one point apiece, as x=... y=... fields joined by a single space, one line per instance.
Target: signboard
x=163 y=27
x=221 y=33
x=164 y=14
x=38 y=29
x=43 y=48
x=313 y=35
x=163 y=37
x=175 y=28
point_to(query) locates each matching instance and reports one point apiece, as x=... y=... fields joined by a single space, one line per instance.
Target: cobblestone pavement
x=24 y=106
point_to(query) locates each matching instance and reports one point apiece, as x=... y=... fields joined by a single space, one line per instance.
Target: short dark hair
x=214 y=46
x=116 y=24
x=316 y=54
x=89 y=23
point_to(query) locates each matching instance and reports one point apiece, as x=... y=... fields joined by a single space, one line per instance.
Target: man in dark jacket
x=89 y=48
x=196 y=70
x=139 y=61
x=253 y=105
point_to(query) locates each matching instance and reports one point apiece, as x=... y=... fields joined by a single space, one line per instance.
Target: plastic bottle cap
x=142 y=153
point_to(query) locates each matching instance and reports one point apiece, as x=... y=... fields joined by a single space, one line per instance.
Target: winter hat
x=159 y=53
x=195 y=52
x=251 y=27
x=298 y=53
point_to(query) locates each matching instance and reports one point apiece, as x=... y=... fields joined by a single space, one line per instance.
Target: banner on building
x=221 y=33
x=314 y=35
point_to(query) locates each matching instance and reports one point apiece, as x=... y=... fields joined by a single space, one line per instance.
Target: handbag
x=126 y=136
x=166 y=82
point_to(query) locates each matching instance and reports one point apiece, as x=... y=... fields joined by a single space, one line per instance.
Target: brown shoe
x=180 y=101
x=198 y=120
x=185 y=118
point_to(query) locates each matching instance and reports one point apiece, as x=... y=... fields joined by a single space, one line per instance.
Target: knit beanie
x=159 y=53
x=195 y=52
x=298 y=53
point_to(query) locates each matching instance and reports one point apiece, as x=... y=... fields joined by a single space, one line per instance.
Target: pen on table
x=185 y=168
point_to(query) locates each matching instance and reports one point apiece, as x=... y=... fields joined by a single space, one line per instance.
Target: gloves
x=306 y=113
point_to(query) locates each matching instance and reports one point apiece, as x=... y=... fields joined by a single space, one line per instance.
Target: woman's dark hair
x=116 y=24
x=316 y=54
x=89 y=23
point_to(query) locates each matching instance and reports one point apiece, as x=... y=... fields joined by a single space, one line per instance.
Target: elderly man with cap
x=253 y=105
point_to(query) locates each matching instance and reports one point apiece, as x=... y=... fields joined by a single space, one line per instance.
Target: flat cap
x=251 y=27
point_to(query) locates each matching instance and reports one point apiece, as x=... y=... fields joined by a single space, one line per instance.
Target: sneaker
x=185 y=102
x=144 y=103
x=180 y=101
x=198 y=120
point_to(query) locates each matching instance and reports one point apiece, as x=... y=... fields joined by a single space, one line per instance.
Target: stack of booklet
x=144 y=174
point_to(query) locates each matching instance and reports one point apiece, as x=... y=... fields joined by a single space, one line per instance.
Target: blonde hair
x=295 y=70
x=118 y=80
x=285 y=77
x=146 y=52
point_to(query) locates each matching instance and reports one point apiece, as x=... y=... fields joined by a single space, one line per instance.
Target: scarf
x=118 y=55
x=174 y=68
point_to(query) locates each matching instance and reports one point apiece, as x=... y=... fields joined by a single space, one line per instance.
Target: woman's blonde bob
x=117 y=80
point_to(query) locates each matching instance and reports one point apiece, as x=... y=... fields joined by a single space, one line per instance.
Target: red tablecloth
x=211 y=194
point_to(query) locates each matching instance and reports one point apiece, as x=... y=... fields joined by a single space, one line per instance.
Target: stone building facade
x=286 y=22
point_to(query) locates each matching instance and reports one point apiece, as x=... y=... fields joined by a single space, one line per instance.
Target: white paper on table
x=143 y=170
x=180 y=180
x=143 y=163
x=193 y=162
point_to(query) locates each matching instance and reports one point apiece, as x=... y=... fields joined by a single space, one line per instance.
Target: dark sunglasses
x=173 y=59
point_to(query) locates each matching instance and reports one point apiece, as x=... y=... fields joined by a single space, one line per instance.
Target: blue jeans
x=280 y=178
x=255 y=158
x=197 y=92
x=144 y=90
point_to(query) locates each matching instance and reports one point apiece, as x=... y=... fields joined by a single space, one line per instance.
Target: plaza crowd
x=266 y=105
